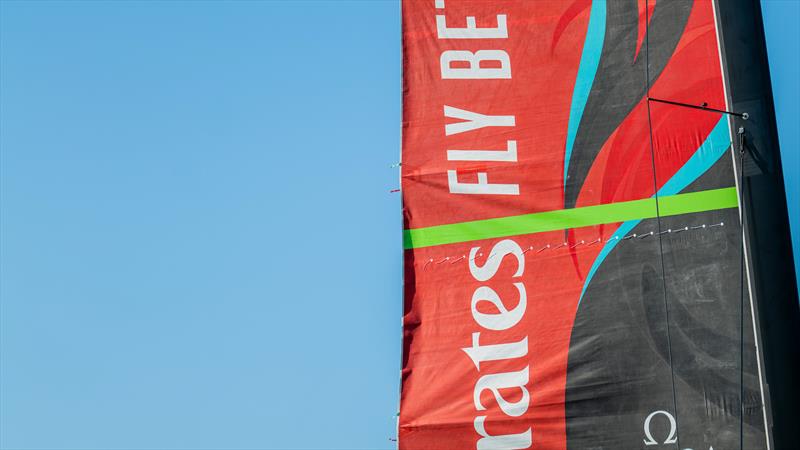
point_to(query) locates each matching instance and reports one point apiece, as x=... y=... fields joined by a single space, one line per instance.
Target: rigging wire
x=703 y=107
x=741 y=289
x=658 y=218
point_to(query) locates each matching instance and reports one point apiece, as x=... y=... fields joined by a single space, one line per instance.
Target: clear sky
x=782 y=30
x=199 y=248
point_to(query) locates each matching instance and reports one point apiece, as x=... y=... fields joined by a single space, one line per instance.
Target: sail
x=574 y=268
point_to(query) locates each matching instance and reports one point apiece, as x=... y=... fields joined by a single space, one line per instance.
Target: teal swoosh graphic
x=590 y=60
x=709 y=152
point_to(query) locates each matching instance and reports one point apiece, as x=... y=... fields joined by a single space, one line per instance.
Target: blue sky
x=199 y=248
x=781 y=18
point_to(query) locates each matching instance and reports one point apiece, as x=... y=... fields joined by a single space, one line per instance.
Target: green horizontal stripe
x=670 y=205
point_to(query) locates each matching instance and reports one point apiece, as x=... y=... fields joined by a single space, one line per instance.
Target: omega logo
x=671 y=438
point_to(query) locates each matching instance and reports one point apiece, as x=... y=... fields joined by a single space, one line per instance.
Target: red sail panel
x=438 y=407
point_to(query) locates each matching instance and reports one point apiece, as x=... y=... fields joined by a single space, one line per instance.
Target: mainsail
x=575 y=268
